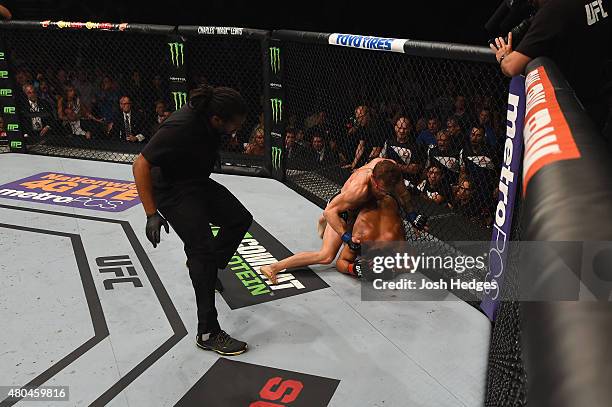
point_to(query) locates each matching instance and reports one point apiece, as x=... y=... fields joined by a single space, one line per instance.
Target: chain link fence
x=100 y=91
x=316 y=112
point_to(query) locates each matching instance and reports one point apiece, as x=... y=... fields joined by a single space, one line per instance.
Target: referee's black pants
x=193 y=208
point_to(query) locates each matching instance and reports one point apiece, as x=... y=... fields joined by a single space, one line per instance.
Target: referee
x=172 y=175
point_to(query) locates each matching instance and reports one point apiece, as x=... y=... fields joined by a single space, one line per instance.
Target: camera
x=513 y=16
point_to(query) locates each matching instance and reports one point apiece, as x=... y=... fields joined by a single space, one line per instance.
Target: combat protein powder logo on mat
x=233 y=383
x=245 y=285
x=275 y=59
x=180 y=98
x=277 y=154
x=176 y=53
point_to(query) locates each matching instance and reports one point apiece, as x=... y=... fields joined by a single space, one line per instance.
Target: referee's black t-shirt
x=183 y=151
x=575 y=34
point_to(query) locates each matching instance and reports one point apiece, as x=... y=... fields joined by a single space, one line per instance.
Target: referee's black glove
x=154 y=225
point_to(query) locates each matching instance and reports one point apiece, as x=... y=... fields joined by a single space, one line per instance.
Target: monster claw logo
x=277 y=154
x=277 y=110
x=275 y=59
x=180 y=98
x=176 y=53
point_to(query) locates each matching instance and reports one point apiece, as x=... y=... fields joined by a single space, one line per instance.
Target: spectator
x=2 y=128
x=444 y=156
x=44 y=93
x=85 y=88
x=463 y=202
x=161 y=114
x=137 y=92
x=293 y=150
x=78 y=127
x=37 y=117
x=322 y=155
x=484 y=120
x=257 y=147
x=477 y=161
x=158 y=90
x=427 y=137
x=421 y=125
x=433 y=186
x=461 y=113
x=106 y=99
x=259 y=127
x=403 y=149
x=70 y=100
x=364 y=139
x=455 y=134
x=128 y=125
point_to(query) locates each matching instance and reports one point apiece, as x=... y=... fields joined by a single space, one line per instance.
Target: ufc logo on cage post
x=593 y=11
x=277 y=389
x=176 y=53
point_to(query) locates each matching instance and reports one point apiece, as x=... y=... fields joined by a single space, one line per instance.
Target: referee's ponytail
x=227 y=103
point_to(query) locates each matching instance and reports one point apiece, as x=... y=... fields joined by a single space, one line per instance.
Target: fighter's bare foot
x=268 y=272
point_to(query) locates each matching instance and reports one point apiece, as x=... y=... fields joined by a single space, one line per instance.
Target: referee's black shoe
x=222 y=343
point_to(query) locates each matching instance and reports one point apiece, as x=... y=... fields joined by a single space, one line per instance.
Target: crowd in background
x=89 y=105
x=450 y=155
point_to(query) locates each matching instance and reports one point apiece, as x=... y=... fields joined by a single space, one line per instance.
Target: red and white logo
x=548 y=138
x=281 y=392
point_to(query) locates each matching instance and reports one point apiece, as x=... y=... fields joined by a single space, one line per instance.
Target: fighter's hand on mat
x=154 y=225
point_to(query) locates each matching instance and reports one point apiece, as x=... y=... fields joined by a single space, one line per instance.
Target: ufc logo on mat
x=279 y=391
x=593 y=11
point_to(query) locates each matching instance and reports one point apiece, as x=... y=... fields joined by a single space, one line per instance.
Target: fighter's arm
x=344 y=264
x=347 y=200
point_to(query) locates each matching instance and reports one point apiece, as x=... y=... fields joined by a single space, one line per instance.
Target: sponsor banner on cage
x=204 y=30
x=367 y=42
x=508 y=180
x=233 y=383
x=548 y=138
x=76 y=191
x=88 y=25
x=243 y=281
x=11 y=135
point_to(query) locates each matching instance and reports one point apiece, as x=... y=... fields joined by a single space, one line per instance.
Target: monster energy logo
x=180 y=98
x=9 y=109
x=275 y=59
x=12 y=127
x=277 y=110
x=1 y=56
x=277 y=153
x=3 y=74
x=176 y=53
x=15 y=144
x=6 y=92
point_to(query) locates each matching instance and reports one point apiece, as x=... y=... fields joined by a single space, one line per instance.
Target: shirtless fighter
x=375 y=180
x=377 y=221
